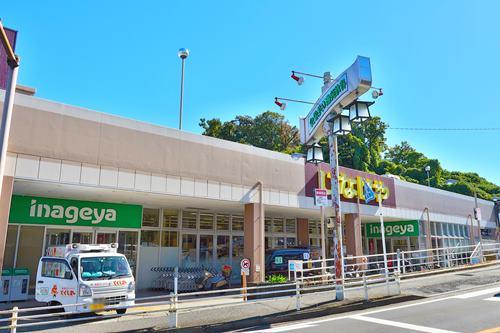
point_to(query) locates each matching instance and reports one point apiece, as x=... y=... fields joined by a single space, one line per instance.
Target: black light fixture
x=359 y=111
x=314 y=154
x=341 y=124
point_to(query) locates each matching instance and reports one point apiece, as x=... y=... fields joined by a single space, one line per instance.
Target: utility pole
x=8 y=105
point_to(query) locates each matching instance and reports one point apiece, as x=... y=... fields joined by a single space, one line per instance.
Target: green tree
x=268 y=130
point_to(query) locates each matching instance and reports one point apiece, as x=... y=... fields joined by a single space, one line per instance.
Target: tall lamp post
x=428 y=170
x=183 y=54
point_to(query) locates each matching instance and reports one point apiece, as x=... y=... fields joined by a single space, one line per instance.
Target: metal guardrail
x=319 y=276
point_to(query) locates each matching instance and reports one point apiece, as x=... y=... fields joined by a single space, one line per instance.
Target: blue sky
x=436 y=60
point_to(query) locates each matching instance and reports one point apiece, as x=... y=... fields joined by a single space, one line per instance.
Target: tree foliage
x=268 y=130
x=363 y=149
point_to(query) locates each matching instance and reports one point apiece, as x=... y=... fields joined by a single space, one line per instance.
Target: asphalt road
x=472 y=311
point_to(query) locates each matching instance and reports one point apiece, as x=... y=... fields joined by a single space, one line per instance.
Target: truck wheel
x=121 y=311
x=56 y=310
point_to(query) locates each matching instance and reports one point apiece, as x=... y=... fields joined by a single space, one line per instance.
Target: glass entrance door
x=56 y=237
x=127 y=245
x=82 y=237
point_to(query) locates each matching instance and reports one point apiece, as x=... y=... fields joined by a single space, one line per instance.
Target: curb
x=318 y=310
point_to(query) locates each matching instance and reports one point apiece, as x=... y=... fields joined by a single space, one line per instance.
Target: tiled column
x=354 y=240
x=303 y=232
x=8 y=183
x=253 y=243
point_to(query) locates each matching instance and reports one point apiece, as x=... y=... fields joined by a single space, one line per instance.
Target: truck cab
x=85 y=278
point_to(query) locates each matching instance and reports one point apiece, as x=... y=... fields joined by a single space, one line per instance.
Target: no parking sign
x=245 y=266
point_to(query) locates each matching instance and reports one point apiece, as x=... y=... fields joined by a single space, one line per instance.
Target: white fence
x=363 y=272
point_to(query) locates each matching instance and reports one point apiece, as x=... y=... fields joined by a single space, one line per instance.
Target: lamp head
x=183 y=53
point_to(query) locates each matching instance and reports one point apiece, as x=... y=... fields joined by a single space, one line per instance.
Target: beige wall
x=58 y=131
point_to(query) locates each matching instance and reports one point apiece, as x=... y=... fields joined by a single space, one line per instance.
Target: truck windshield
x=101 y=268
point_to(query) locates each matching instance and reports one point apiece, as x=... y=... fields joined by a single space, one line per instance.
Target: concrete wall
x=59 y=131
x=414 y=196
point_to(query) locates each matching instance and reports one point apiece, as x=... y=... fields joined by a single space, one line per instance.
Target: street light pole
x=183 y=54
x=338 y=254
x=382 y=234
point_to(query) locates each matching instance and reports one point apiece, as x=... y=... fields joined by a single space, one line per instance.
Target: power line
x=445 y=129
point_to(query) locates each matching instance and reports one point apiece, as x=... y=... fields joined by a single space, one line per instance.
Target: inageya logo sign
x=40 y=210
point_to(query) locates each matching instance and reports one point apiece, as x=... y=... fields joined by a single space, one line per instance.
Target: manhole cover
x=465 y=274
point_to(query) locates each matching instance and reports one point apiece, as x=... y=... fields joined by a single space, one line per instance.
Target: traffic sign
x=245 y=271
x=245 y=263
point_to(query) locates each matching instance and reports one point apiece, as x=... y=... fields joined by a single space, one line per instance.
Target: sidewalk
x=216 y=315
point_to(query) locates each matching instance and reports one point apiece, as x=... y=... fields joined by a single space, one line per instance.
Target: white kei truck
x=95 y=277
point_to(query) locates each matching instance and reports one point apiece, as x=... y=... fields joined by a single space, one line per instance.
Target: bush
x=276 y=278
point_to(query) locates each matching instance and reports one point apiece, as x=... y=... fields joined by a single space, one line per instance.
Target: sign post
x=245 y=271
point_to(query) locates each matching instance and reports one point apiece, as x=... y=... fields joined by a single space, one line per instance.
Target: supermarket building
x=173 y=198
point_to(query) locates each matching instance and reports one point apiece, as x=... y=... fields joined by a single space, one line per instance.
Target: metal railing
x=361 y=273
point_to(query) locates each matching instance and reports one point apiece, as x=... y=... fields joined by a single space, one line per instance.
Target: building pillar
x=253 y=245
x=5 y=198
x=302 y=232
x=354 y=239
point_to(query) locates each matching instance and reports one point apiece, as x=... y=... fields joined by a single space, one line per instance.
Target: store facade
x=172 y=198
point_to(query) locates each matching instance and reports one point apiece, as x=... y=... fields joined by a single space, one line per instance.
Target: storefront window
x=291 y=241
x=189 y=250
x=30 y=249
x=222 y=222
x=267 y=224
x=237 y=223
x=150 y=238
x=127 y=245
x=279 y=242
x=82 y=237
x=278 y=225
x=150 y=217
x=105 y=238
x=56 y=237
x=206 y=221
x=313 y=227
x=237 y=247
x=206 y=249
x=290 y=226
x=169 y=238
x=189 y=220
x=170 y=218
x=10 y=246
x=223 y=249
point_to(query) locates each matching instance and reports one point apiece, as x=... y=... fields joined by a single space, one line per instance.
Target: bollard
x=172 y=314
x=297 y=291
x=398 y=257
x=365 y=287
x=13 y=323
x=403 y=259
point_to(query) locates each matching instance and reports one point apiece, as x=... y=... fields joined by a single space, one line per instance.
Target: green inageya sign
x=331 y=96
x=41 y=210
x=393 y=229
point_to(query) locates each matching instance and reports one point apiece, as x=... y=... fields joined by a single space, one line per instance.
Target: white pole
x=339 y=256
x=182 y=94
x=382 y=233
x=8 y=105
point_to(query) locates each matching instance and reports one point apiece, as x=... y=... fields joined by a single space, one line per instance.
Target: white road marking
x=493 y=299
x=283 y=328
x=401 y=325
x=478 y=293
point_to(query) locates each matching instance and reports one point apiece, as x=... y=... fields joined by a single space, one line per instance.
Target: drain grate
x=465 y=274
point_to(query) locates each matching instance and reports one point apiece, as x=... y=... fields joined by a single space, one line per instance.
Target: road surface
x=471 y=311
